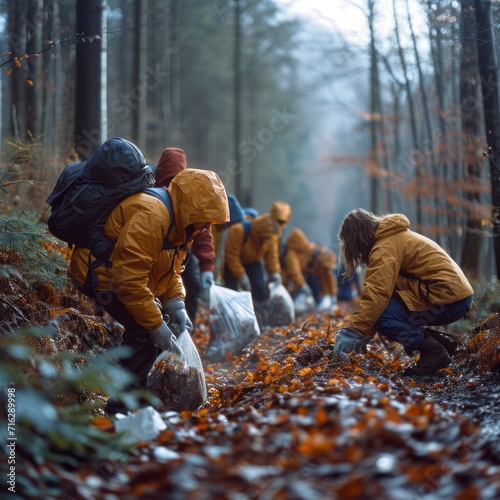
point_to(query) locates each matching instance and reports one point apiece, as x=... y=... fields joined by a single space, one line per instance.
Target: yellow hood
x=280 y=210
x=198 y=196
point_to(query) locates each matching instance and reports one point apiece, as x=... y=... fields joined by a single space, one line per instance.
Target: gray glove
x=276 y=279
x=178 y=320
x=244 y=283
x=207 y=279
x=165 y=339
x=349 y=339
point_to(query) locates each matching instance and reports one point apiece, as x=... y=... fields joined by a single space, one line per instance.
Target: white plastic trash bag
x=143 y=425
x=304 y=304
x=179 y=382
x=281 y=306
x=233 y=324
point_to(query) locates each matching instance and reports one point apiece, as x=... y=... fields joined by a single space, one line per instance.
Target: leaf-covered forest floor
x=291 y=419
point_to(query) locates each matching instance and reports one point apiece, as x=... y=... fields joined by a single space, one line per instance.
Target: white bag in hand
x=179 y=381
x=233 y=324
x=281 y=307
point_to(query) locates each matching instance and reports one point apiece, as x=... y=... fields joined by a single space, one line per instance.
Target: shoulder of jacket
x=142 y=200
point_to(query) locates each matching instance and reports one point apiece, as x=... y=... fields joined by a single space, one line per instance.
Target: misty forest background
x=398 y=113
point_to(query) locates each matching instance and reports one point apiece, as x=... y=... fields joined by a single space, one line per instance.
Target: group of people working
x=248 y=252
x=411 y=283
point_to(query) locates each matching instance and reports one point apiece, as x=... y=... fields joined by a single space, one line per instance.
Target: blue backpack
x=247 y=225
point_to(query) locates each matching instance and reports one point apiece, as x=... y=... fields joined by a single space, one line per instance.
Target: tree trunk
x=175 y=73
x=488 y=68
x=445 y=142
x=166 y=90
x=88 y=132
x=241 y=189
x=471 y=131
x=33 y=46
x=374 y=89
x=434 y=175
x=138 y=95
x=104 y=73
x=417 y=153
x=17 y=47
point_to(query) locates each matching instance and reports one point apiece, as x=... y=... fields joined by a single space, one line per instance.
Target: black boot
x=433 y=357
x=444 y=340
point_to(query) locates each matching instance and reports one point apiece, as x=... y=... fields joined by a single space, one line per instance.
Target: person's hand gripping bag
x=178 y=380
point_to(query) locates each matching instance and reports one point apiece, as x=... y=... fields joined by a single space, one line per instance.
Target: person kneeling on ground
x=142 y=272
x=251 y=259
x=410 y=282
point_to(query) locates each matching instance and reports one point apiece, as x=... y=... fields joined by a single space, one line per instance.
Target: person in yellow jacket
x=302 y=259
x=411 y=284
x=251 y=255
x=142 y=271
x=219 y=234
x=281 y=212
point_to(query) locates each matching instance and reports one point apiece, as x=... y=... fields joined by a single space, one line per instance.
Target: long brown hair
x=356 y=235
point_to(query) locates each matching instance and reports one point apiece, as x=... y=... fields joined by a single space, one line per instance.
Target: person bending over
x=411 y=284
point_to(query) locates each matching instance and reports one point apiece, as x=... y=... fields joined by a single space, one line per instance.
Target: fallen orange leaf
x=322 y=416
x=103 y=423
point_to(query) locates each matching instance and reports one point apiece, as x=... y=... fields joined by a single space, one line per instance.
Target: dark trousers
x=192 y=285
x=407 y=327
x=260 y=292
x=313 y=282
x=137 y=351
x=345 y=291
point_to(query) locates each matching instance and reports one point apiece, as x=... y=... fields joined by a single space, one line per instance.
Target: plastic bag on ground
x=143 y=425
x=281 y=306
x=304 y=304
x=233 y=324
x=179 y=382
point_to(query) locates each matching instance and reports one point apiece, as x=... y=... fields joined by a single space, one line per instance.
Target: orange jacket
x=398 y=250
x=261 y=244
x=304 y=257
x=140 y=269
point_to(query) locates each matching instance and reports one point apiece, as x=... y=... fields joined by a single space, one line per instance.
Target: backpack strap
x=162 y=195
x=247 y=225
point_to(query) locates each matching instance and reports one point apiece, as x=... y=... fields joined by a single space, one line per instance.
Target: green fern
x=27 y=247
x=53 y=396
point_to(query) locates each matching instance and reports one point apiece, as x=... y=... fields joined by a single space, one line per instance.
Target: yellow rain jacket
x=281 y=211
x=140 y=269
x=436 y=280
x=304 y=257
x=261 y=244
